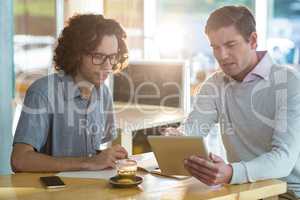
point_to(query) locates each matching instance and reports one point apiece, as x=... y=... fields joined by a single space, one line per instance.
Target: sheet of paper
x=103 y=174
x=146 y=161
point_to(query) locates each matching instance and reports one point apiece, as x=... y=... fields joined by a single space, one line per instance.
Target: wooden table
x=26 y=186
x=134 y=117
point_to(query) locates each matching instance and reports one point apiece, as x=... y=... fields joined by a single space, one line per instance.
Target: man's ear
x=253 y=40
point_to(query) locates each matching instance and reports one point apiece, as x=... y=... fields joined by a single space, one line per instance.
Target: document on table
x=146 y=161
x=101 y=174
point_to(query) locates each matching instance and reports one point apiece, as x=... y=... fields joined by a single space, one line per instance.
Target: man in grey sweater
x=256 y=103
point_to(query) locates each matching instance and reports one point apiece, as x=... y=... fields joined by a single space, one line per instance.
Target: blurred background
x=157 y=30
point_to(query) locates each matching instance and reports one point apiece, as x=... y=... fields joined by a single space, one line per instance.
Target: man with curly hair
x=67 y=115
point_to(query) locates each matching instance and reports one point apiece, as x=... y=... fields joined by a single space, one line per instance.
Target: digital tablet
x=170 y=152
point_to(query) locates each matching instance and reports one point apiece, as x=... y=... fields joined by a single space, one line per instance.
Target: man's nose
x=223 y=53
x=106 y=65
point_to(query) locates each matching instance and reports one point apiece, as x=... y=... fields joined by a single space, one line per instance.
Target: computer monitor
x=164 y=83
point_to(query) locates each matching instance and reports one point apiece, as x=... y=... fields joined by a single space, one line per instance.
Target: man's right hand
x=107 y=158
x=171 y=131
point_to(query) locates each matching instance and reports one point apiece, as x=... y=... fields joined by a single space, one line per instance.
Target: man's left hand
x=212 y=171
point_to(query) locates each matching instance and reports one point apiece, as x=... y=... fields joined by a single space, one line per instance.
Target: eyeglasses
x=99 y=58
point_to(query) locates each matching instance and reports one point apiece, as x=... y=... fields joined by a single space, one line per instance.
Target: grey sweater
x=259 y=120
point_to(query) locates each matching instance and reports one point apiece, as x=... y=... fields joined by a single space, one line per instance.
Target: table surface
x=26 y=186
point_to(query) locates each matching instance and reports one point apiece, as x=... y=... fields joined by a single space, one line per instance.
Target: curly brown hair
x=81 y=36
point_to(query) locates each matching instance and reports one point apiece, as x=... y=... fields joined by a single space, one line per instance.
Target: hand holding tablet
x=171 y=151
x=211 y=171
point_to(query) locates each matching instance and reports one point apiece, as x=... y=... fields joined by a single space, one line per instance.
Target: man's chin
x=231 y=74
x=99 y=83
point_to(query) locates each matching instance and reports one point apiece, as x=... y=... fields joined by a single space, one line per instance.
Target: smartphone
x=52 y=182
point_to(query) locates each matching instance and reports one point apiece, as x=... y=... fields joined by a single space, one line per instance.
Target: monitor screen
x=152 y=83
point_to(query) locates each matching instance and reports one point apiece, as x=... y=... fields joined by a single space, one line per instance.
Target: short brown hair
x=81 y=36
x=238 y=16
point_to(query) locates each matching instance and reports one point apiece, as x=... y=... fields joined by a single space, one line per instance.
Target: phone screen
x=52 y=182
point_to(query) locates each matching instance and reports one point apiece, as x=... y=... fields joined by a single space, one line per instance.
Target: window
x=35 y=31
x=130 y=13
x=180 y=33
x=284 y=40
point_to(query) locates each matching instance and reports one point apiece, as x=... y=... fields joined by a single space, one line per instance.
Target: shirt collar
x=262 y=69
x=70 y=89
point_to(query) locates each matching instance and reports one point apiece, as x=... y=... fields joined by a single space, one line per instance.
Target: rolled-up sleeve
x=33 y=125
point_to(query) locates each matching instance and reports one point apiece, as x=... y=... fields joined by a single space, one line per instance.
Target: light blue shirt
x=259 y=120
x=57 y=121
